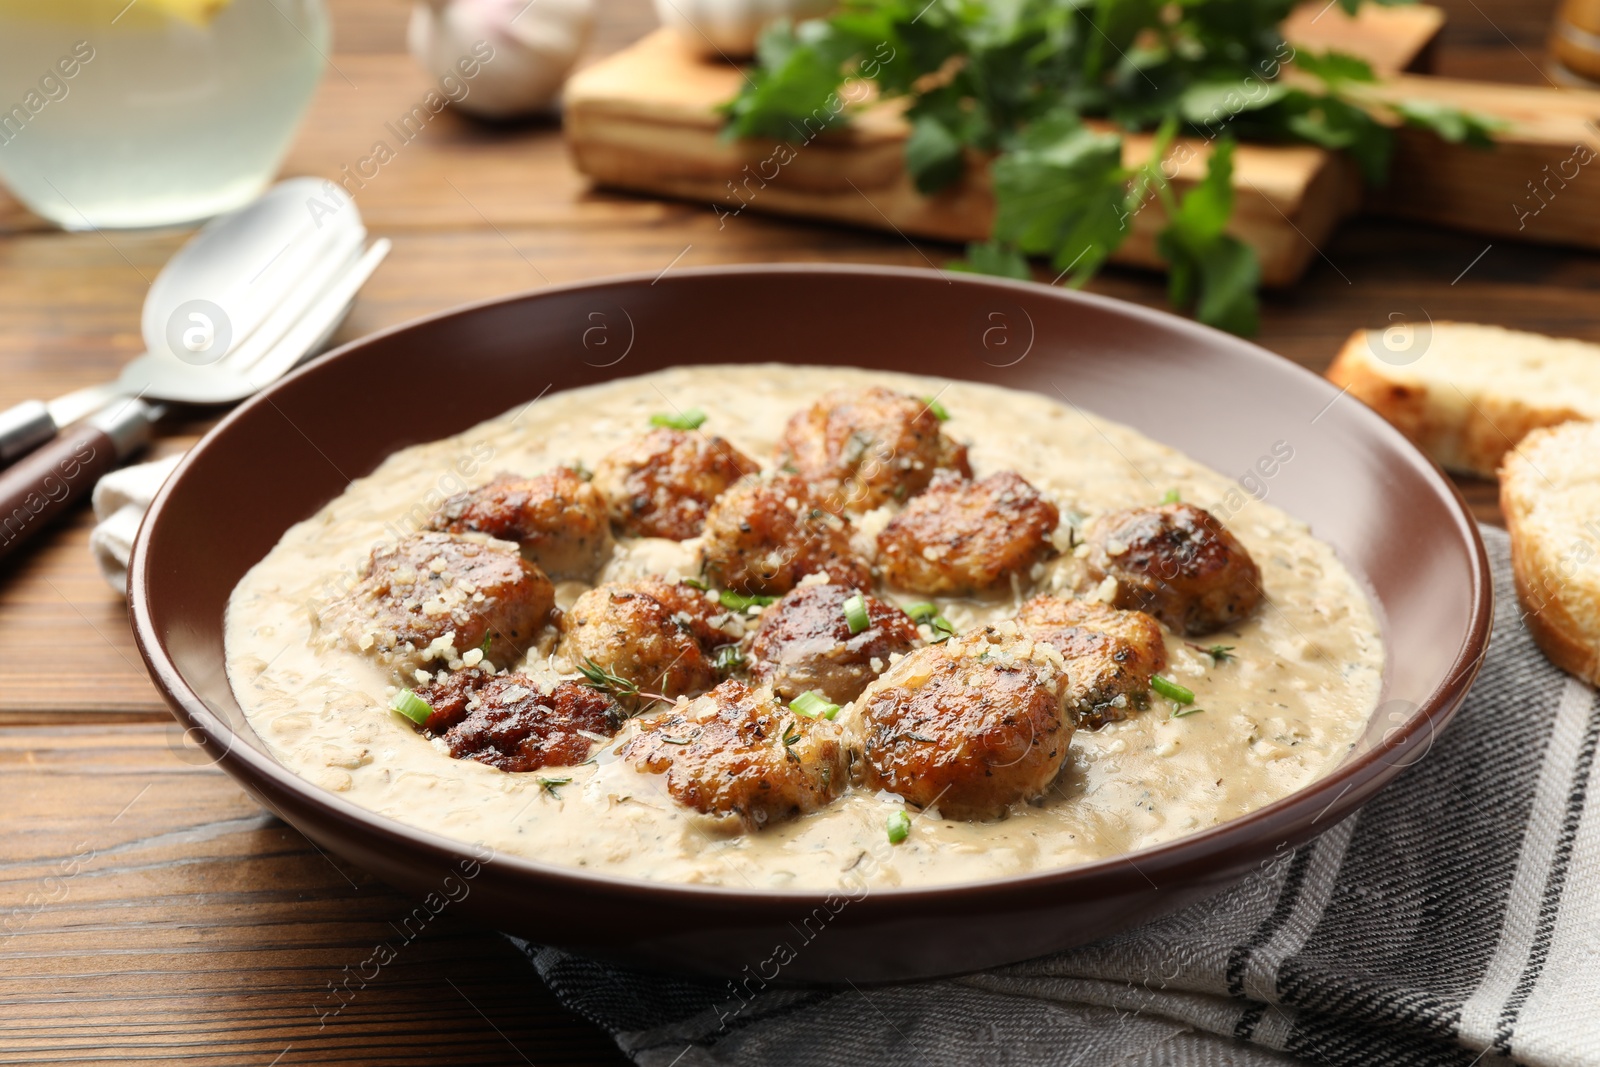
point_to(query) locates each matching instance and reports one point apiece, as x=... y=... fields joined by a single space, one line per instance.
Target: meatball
x=657 y=636
x=962 y=537
x=763 y=536
x=1110 y=654
x=1177 y=562
x=863 y=448
x=972 y=725
x=804 y=643
x=736 y=752
x=507 y=721
x=558 y=518
x=436 y=595
x=662 y=484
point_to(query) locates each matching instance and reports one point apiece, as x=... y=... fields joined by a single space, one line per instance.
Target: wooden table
x=148 y=909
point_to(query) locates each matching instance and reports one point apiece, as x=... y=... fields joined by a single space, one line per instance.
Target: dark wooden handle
x=43 y=484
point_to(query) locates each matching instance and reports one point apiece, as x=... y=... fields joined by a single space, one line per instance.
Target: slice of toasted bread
x=1550 y=493
x=1467 y=394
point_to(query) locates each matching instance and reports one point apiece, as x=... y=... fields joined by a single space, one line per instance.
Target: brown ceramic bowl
x=1387 y=510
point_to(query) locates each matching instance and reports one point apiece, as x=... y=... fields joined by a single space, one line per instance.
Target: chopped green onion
x=813 y=705
x=412 y=707
x=942 y=628
x=684 y=420
x=1172 y=497
x=855 y=613
x=923 y=612
x=728 y=659
x=739 y=602
x=1171 y=690
x=694 y=583
x=940 y=412
x=899 y=826
x=1179 y=713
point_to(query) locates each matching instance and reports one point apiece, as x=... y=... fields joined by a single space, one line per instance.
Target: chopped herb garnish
x=1179 y=713
x=899 y=826
x=740 y=602
x=488 y=639
x=940 y=412
x=791 y=736
x=942 y=628
x=855 y=448
x=1172 y=497
x=412 y=707
x=603 y=679
x=813 y=705
x=582 y=472
x=923 y=612
x=676 y=740
x=694 y=583
x=549 y=785
x=684 y=420
x=728 y=659
x=1171 y=690
x=1219 y=653
x=855 y=613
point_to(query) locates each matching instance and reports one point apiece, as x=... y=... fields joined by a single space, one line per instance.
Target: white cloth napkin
x=120 y=499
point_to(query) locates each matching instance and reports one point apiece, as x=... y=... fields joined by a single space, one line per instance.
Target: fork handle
x=43 y=485
x=24 y=427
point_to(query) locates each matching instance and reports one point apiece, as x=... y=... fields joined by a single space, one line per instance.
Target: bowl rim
x=1432 y=714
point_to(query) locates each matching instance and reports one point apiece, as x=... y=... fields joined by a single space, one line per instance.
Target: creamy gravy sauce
x=1304 y=676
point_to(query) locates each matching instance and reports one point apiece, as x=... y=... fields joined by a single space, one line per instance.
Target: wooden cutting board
x=645 y=119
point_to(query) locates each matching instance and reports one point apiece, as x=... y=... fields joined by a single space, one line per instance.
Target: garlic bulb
x=499 y=58
x=730 y=27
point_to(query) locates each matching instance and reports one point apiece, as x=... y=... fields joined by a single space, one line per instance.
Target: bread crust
x=1471 y=437
x=1559 y=609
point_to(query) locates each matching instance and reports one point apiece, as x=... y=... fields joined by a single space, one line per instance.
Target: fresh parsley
x=1010 y=85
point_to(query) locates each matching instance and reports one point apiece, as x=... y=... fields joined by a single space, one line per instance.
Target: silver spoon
x=251 y=295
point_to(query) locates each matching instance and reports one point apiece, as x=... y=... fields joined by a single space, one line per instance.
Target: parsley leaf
x=993 y=257
x=1449 y=123
x=1211 y=270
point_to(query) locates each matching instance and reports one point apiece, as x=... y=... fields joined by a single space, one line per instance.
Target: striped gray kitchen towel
x=1453 y=920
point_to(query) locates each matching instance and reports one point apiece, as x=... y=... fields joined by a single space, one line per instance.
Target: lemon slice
x=194 y=12
x=118 y=13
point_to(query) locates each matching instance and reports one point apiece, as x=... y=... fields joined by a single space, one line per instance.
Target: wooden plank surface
x=203 y=931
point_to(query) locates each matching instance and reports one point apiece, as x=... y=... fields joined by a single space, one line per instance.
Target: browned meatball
x=659 y=636
x=509 y=722
x=862 y=448
x=764 y=536
x=804 y=643
x=972 y=725
x=558 y=518
x=963 y=537
x=430 y=587
x=737 y=752
x=662 y=483
x=1177 y=562
x=1110 y=654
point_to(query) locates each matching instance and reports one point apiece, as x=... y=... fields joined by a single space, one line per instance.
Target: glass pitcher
x=151 y=112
